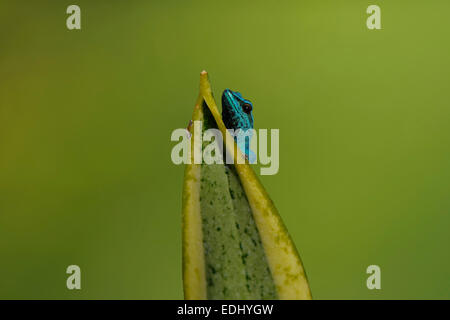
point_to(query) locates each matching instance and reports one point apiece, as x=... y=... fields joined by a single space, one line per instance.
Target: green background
x=86 y=117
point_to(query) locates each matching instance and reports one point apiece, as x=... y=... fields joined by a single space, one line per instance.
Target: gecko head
x=236 y=111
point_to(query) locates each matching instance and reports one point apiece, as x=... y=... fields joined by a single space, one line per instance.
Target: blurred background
x=86 y=116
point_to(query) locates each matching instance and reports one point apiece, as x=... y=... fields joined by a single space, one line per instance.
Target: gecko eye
x=247 y=107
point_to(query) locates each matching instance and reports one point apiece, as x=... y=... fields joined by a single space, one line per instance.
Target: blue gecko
x=237 y=114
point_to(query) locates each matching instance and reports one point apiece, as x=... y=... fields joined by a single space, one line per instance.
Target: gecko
x=237 y=114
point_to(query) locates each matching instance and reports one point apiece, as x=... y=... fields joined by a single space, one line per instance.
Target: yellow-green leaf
x=235 y=245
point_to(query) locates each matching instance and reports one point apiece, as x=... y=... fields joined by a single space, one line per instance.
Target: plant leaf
x=235 y=218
